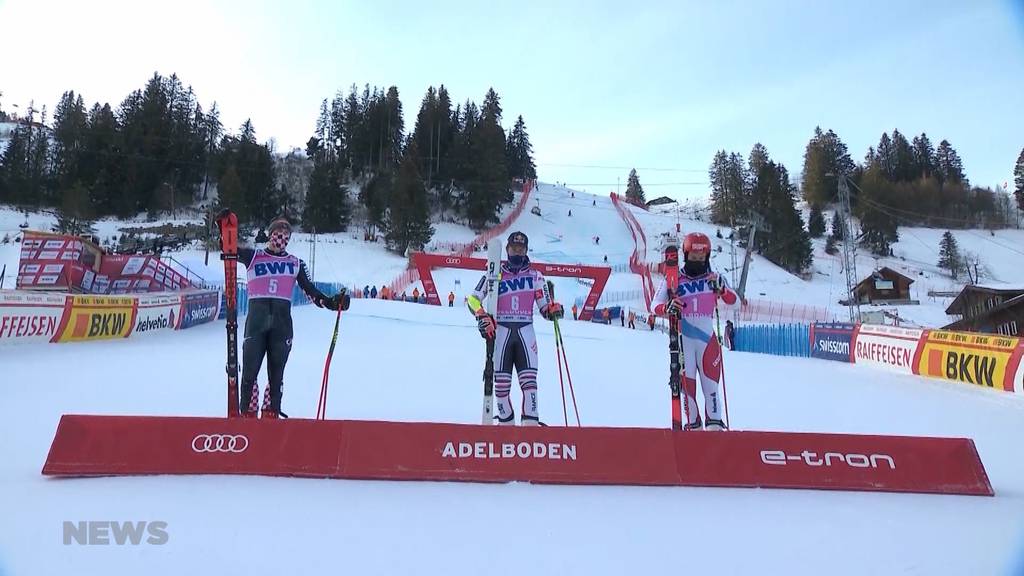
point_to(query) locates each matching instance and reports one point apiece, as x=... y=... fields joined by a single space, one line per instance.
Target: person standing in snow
x=519 y=287
x=694 y=301
x=272 y=274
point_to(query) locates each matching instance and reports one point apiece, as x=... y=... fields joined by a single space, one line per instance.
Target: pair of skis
x=675 y=375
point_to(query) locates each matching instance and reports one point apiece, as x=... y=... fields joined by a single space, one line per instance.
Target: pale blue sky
x=646 y=84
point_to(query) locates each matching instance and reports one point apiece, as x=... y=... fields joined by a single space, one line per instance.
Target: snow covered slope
x=398 y=361
x=557 y=237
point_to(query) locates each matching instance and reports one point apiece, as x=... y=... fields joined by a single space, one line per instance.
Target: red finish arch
x=425 y=264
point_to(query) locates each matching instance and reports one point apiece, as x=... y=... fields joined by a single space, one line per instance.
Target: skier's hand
x=714 y=283
x=485 y=324
x=675 y=306
x=554 y=310
x=343 y=299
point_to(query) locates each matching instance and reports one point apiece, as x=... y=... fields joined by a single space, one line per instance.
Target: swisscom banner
x=198 y=308
x=832 y=341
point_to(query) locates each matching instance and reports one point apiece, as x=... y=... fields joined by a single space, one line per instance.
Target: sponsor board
x=987 y=360
x=832 y=341
x=887 y=347
x=124 y=445
x=157 y=312
x=97 y=318
x=30 y=317
x=198 y=308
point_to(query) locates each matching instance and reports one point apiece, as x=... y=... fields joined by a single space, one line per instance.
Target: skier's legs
x=279 y=346
x=504 y=347
x=254 y=348
x=686 y=352
x=526 y=369
x=710 y=375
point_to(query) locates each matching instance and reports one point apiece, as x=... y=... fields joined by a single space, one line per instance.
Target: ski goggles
x=516 y=249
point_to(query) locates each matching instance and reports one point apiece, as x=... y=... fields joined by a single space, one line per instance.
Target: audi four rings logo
x=233 y=443
x=453 y=260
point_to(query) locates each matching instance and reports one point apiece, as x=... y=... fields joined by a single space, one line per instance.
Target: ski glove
x=485 y=323
x=715 y=284
x=675 y=306
x=553 y=311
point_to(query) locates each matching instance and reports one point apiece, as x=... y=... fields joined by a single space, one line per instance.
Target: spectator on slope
x=451 y=299
x=575 y=311
x=373 y=292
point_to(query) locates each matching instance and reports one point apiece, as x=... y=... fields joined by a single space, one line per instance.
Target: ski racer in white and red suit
x=694 y=301
x=515 y=346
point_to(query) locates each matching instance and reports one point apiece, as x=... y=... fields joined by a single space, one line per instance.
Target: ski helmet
x=518 y=238
x=672 y=255
x=696 y=243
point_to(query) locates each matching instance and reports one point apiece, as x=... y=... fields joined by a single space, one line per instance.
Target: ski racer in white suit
x=520 y=287
x=694 y=301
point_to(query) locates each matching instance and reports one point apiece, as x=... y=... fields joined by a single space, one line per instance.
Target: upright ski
x=228 y=223
x=675 y=368
x=491 y=306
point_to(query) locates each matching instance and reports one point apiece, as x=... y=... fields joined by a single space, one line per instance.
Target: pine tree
x=816 y=223
x=904 y=163
x=949 y=254
x=830 y=246
x=486 y=179
x=1018 y=181
x=229 y=189
x=75 y=213
x=924 y=156
x=878 y=226
x=327 y=206
x=519 y=153
x=948 y=164
x=408 y=217
x=786 y=242
x=825 y=159
x=837 y=226
x=634 y=191
x=69 y=127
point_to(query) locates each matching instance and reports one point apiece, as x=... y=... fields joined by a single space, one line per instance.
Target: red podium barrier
x=140 y=445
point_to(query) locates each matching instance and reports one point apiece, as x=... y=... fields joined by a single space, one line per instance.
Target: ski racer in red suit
x=694 y=300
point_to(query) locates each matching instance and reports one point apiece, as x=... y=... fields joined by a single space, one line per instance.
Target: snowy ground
x=399 y=361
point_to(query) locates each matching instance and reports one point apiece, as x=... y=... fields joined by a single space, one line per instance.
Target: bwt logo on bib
x=266 y=268
x=524 y=283
x=692 y=287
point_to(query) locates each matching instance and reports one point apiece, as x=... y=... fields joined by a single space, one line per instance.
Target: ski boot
x=713 y=424
x=510 y=421
x=695 y=425
x=531 y=421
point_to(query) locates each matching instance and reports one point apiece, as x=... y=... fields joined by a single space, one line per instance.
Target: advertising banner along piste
x=124 y=445
x=982 y=359
x=27 y=316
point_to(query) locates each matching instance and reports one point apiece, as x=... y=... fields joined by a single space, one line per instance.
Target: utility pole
x=755 y=221
x=849 y=251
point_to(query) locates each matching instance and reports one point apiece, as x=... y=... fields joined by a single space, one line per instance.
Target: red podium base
x=141 y=445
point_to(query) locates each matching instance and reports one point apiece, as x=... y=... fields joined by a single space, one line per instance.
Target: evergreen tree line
x=912 y=183
x=457 y=162
x=160 y=149
x=157 y=151
x=741 y=188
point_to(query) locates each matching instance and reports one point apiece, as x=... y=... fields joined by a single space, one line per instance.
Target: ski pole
x=321 y=410
x=561 y=383
x=721 y=353
x=568 y=375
